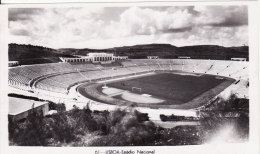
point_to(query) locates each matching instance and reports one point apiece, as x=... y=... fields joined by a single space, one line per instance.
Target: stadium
x=153 y=86
x=128 y=75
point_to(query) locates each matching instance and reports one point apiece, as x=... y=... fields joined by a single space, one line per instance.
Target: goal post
x=137 y=89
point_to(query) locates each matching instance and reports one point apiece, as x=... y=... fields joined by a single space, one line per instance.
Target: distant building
x=183 y=57
x=13 y=63
x=120 y=58
x=152 y=57
x=96 y=58
x=20 y=108
x=238 y=59
x=70 y=60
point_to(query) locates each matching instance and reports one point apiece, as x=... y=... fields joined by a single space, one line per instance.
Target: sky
x=106 y=27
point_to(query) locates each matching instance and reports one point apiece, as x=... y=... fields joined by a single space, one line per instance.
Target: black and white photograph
x=128 y=75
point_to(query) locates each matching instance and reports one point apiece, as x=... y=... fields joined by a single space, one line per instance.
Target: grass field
x=174 y=88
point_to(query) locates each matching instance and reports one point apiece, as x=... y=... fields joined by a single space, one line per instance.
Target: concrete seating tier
x=57 y=77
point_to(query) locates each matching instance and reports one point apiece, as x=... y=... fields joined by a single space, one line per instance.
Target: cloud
x=20 y=32
x=222 y=16
x=145 y=21
x=54 y=26
x=177 y=30
x=23 y=13
x=99 y=27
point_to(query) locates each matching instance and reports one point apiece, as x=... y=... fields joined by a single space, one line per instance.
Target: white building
x=69 y=60
x=101 y=57
x=95 y=58
x=20 y=108
x=183 y=57
x=13 y=63
x=152 y=57
x=120 y=58
x=238 y=59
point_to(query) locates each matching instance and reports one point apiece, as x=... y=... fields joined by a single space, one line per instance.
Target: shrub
x=30 y=132
x=126 y=129
x=231 y=112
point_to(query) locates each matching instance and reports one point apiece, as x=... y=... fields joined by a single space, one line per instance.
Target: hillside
x=214 y=52
x=29 y=54
x=136 y=51
x=169 y=51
